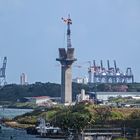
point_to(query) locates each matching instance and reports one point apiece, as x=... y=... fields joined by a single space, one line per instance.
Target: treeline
x=13 y=92
x=119 y=87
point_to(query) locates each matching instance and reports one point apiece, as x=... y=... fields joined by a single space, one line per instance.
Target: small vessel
x=45 y=130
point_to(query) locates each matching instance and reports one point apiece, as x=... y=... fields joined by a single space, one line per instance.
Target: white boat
x=46 y=130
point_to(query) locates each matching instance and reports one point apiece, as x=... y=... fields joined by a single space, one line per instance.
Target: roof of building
x=38 y=97
x=41 y=97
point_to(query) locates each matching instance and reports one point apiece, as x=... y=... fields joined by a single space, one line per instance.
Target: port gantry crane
x=100 y=74
x=111 y=74
x=2 y=72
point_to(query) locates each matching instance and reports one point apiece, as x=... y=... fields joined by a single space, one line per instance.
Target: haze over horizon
x=31 y=31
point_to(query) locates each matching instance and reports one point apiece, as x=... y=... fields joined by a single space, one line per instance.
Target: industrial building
x=80 y=80
x=105 y=95
x=23 y=79
x=66 y=59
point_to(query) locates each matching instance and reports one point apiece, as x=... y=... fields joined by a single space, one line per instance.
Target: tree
x=102 y=113
x=135 y=115
x=76 y=117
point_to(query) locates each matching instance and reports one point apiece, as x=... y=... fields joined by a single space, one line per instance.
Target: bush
x=135 y=115
x=120 y=139
x=116 y=116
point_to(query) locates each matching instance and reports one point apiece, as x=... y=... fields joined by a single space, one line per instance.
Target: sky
x=31 y=31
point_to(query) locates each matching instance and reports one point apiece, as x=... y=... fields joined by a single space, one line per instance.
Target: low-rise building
x=81 y=80
x=106 y=95
x=39 y=100
x=82 y=96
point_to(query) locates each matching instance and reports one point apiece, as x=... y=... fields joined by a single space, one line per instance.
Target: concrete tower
x=66 y=58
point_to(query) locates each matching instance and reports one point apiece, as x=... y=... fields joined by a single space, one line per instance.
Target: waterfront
x=8 y=133
x=17 y=134
x=11 y=113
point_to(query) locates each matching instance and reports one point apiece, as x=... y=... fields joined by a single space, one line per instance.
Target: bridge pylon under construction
x=66 y=59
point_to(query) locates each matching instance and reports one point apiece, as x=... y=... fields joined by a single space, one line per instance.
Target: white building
x=40 y=100
x=82 y=96
x=105 y=95
x=80 y=80
x=23 y=79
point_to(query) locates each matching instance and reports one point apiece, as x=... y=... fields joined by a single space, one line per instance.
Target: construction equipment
x=66 y=59
x=111 y=74
x=2 y=72
x=68 y=21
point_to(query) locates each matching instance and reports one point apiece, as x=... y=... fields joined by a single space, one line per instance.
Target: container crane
x=111 y=74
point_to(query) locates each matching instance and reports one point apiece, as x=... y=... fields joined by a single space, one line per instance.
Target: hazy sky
x=31 y=31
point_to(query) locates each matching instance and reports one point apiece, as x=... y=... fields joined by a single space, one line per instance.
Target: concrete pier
x=66 y=58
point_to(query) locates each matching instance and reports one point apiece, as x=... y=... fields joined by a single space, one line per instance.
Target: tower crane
x=68 y=21
x=2 y=72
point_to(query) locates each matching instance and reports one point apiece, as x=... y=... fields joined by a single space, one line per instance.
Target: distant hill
x=13 y=92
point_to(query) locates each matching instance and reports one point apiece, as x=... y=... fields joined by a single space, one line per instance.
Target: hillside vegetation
x=84 y=115
x=13 y=92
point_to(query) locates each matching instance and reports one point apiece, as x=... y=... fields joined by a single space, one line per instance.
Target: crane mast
x=68 y=21
x=4 y=66
x=2 y=72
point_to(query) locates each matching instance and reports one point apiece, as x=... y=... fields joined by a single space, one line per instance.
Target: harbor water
x=11 y=113
x=8 y=133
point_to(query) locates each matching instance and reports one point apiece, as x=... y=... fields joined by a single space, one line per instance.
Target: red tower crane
x=68 y=21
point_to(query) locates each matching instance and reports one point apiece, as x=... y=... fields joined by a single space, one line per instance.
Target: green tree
x=102 y=113
x=135 y=114
x=76 y=117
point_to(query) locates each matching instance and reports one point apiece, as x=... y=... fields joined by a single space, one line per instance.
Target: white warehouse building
x=105 y=95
